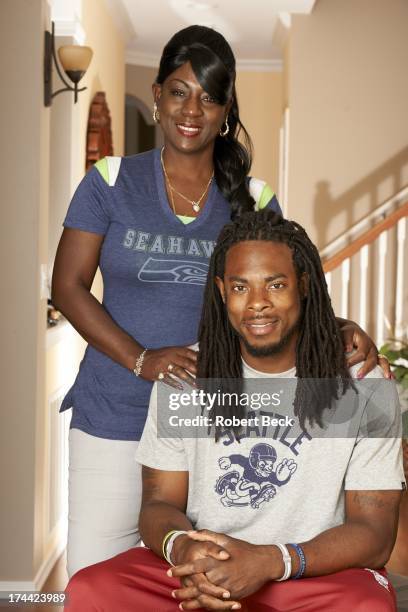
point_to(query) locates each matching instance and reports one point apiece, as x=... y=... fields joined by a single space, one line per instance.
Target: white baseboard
x=42 y=574
x=15 y=587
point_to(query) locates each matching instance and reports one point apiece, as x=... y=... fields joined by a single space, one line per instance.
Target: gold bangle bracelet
x=165 y=539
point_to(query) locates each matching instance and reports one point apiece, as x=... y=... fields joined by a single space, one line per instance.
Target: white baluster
x=363 y=286
x=328 y=277
x=345 y=282
x=382 y=253
x=400 y=285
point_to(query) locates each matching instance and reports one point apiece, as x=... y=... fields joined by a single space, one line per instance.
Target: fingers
x=217 y=553
x=355 y=337
x=198 y=592
x=366 y=349
x=200 y=585
x=206 y=535
x=183 y=359
x=181 y=373
x=209 y=603
x=174 y=374
x=168 y=380
x=370 y=362
x=199 y=566
x=385 y=366
x=191 y=354
x=170 y=365
x=182 y=366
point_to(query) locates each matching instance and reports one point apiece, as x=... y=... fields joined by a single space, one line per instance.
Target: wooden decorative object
x=99 y=134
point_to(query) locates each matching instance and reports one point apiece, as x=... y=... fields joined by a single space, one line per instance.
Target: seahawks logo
x=173 y=271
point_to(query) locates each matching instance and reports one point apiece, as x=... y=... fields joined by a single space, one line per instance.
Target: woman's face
x=189 y=117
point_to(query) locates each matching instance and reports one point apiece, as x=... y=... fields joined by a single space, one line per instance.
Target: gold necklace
x=194 y=203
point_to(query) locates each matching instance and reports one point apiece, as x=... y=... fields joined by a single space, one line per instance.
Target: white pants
x=104 y=495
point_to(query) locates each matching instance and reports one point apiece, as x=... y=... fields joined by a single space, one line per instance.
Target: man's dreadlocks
x=319 y=349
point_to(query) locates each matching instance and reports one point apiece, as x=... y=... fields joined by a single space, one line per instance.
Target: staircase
x=366 y=271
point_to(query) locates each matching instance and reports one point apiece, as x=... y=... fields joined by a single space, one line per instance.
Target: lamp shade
x=75 y=60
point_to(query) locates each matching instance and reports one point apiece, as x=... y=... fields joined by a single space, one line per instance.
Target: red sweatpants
x=136 y=581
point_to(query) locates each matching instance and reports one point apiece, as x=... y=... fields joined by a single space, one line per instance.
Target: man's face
x=262 y=296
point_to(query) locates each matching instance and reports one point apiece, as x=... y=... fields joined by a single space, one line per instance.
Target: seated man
x=300 y=519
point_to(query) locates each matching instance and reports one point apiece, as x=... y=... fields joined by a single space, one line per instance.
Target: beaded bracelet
x=302 y=559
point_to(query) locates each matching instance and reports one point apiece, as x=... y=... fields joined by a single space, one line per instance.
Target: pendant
x=196 y=207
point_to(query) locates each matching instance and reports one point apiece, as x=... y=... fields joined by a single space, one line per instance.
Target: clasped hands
x=216 y=571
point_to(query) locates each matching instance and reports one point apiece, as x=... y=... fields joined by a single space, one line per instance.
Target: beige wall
x=348 y=98
x=285 y=74
x=260 y=102
x=68 y=145
x=106 y=73
x=139 y=80
x=69 y=122
x=39 y=170
x=107 y=69
x=23 y=247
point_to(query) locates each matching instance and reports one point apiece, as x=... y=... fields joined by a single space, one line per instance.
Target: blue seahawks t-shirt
x=154 y=266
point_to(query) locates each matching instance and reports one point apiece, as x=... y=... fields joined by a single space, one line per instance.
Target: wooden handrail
x=367 y=238
x=367 y=222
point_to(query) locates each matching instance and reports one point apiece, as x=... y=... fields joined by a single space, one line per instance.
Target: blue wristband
x=302 y=560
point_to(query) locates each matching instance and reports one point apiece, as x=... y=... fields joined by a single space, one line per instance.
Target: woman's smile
x=188 y=130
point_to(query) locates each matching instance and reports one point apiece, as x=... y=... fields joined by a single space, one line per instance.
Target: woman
x=150 y=222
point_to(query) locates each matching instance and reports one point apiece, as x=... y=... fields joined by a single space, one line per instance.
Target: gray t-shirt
x=280 y=483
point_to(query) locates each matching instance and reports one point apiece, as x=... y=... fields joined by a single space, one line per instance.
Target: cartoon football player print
x=255 y=481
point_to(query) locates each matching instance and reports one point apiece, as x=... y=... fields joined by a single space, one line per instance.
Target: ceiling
x=254 y=28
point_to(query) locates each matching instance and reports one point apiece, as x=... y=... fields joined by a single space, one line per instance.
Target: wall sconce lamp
x=74 y=60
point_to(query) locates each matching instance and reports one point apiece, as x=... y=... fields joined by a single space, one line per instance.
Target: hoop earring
x=156 y=114
x=226 y=129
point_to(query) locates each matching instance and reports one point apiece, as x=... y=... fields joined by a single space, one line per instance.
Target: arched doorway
x=141 y=133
